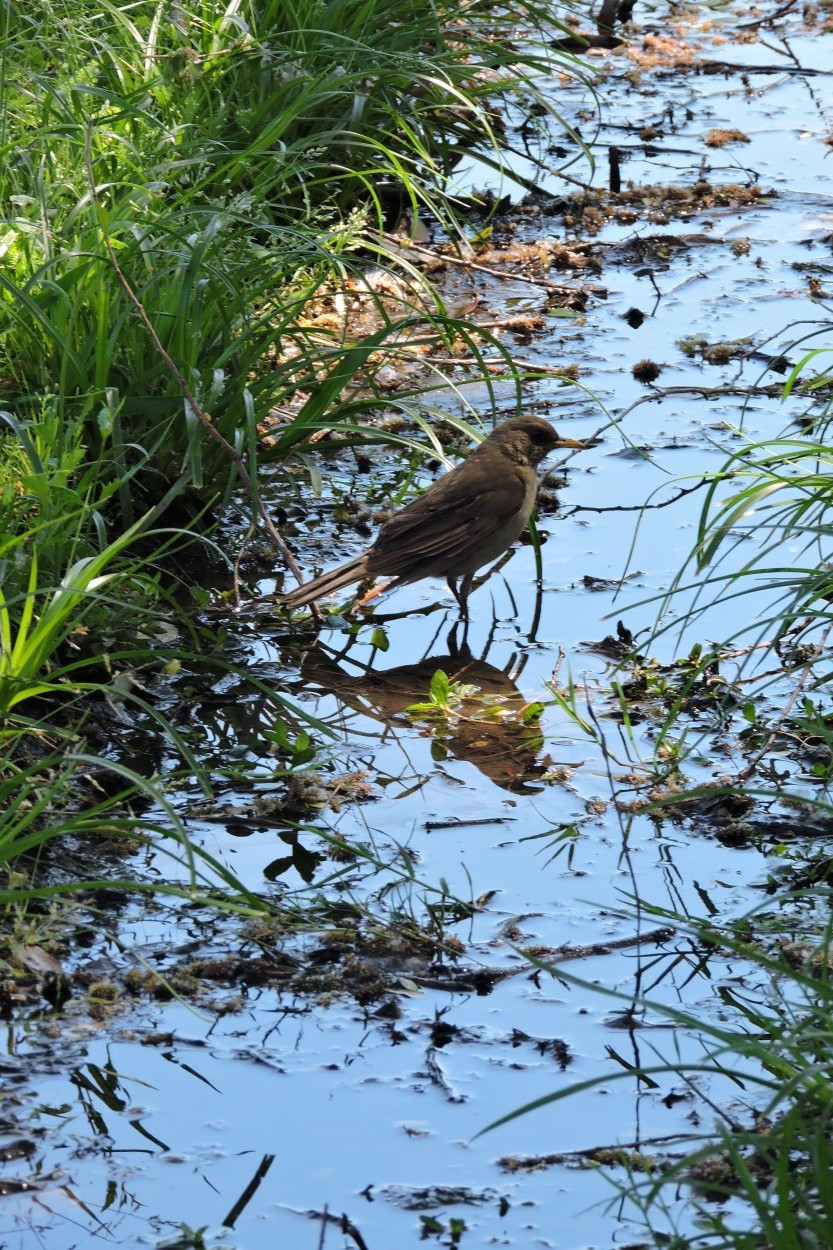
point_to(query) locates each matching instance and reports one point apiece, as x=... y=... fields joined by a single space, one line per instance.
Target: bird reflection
x=488 y=726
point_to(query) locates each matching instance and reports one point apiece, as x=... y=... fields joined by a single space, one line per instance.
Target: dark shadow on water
x=487 y=722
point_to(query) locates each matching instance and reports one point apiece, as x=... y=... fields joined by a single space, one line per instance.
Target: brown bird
x=461 y=522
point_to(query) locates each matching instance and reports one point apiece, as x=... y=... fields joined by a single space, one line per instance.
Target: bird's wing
x=442 y=532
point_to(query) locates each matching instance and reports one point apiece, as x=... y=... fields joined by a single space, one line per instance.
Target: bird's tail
x=326 y=584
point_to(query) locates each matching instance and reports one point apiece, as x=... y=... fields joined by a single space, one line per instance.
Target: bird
x=464 y=520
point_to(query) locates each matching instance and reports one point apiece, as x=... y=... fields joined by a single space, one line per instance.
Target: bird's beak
x=570 y=442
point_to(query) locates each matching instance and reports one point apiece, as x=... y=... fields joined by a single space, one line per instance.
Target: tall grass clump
x=221 y=162
x=765 y=525
x=752 y=1168
x=760 y=1176
x=82 y=609
x=765 y=522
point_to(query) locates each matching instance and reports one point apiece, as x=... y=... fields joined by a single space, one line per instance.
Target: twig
x=533 y=368
x=772 y=17
x=594 y=1153
x=505 y=275
x=324 y=1215
x=344 y=1223
x=740 y=653
x=803 y=71
x=561 y=655
x=249 y=1192
x=187 y=394
x=460 y=823
x=640 y=507
x=563 y=953
x=438 y=1076
x=707 y=392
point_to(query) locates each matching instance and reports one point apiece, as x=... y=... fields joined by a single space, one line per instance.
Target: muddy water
x=305 y=1117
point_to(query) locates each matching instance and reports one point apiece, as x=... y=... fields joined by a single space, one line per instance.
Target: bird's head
x=529 y=439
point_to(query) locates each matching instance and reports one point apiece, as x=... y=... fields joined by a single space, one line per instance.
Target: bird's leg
x=451 y=582
x=460 y=589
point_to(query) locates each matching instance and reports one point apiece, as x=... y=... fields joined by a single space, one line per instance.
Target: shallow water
x=164 y=1116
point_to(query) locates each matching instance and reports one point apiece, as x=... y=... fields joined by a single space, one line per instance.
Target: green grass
x=236 y=159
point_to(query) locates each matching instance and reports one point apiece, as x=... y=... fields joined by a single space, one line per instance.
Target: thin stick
x=641 y=507
x=773 y=17
x=505 y=274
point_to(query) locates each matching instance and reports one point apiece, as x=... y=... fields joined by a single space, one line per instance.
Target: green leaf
x=439 y=687
x=420 y=710
x=379 y=640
